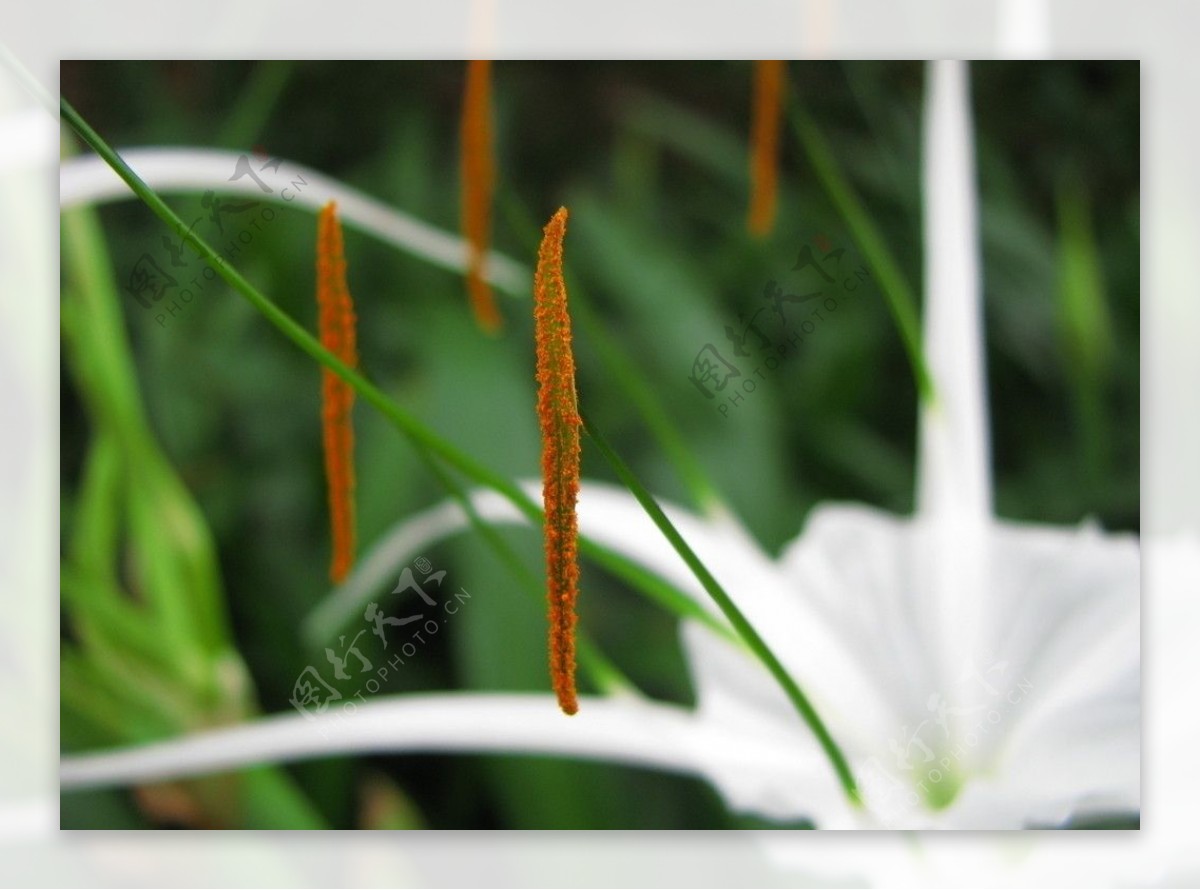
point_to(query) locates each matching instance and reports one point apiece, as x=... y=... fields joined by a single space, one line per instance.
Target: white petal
x=1061 y=609
x=1066 y=610
x=1083 y=760
x=622 y=731
x=856 y=564
x=734 y=690
x=89 y=180
x=625 y=731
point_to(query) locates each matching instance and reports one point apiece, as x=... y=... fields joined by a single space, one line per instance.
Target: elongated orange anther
x=764 y=144
x=478 y=181
x=336 y=324
x=558 y=412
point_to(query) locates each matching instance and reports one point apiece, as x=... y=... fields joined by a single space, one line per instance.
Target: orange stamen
x=478 y=179
x=764 y=150
x=558 y=413
x=336 y=323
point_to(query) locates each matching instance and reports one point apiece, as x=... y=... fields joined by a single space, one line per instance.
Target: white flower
x=977 y=673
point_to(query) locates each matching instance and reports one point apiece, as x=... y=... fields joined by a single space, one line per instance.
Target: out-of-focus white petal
x=1061 y=652
x=855 y=564
x=1082 y=761
x=733 y=689
x=626 y=730
x=1065 y=612
x=89 y=180
x=629 y=731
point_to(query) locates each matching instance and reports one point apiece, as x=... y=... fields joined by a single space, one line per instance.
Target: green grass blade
x=727 y=606
x=263 y=88
x=174 y=556
x=95 y=520
x=1085 y=329
x=897 y=293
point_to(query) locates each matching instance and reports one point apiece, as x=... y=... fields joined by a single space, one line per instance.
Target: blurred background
x=652 y=161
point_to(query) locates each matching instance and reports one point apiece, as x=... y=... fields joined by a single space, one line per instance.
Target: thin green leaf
x=727 y=606
x=895 y=288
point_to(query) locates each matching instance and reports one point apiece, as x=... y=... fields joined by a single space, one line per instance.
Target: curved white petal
x=89 y=180
x=627 y=731
x=1066 y=609
x=1084 y=760
x=857 y=564
x=733 y=689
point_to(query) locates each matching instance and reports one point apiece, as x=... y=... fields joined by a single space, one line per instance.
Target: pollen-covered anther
x=336 y=324
x=478 y=168
x=764 y=144
x=558 y=416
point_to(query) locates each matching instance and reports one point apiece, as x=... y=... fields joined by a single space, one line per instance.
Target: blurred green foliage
x=651 y=159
